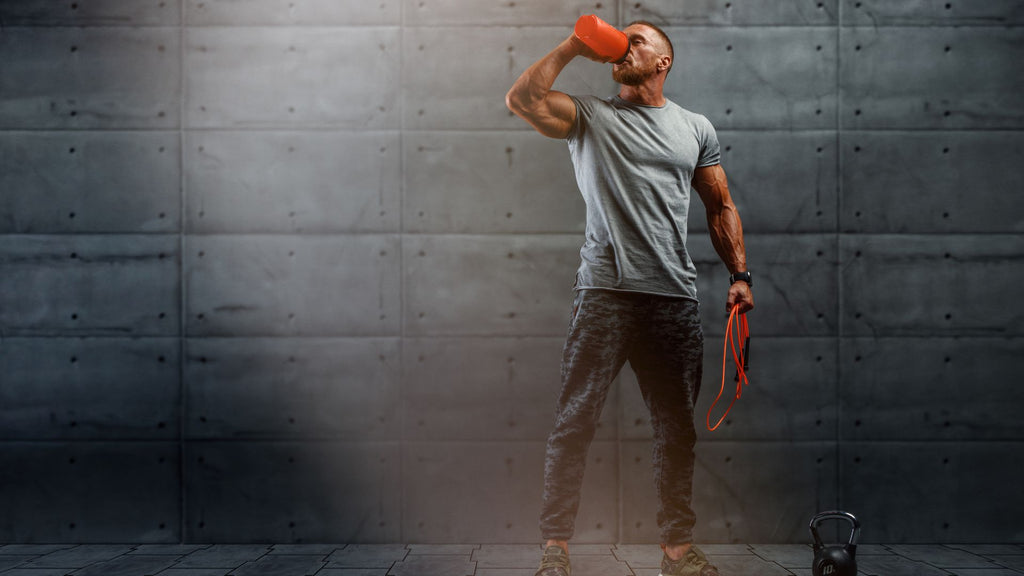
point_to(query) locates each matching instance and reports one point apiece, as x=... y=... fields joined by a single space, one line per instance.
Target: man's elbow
x=511 y=101
x=516 y=102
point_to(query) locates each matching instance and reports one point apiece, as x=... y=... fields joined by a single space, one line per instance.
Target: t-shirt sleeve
x=584 y=112
x=710 y=151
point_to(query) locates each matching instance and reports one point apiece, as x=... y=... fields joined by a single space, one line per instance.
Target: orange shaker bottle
x=602 y=37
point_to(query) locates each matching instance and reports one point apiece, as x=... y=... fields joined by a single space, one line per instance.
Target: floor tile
x=873 y=550
x=639 y=555
x=508 y=556
x=367 y=556
x=193 y=572
x=786 y=555
x=168 y=549
x=750 y=564
x=34 y=549
x=987 y=572
x=128 y=565
x=306 y=549
x=979 y=549
x=12 y=561
x=941 y=556
x=896 y=566
x=224 y=556
x=443 y=549
x=428 y=565
x=598 y=565
x=1015 y=562
x=281 y=565
x=590 y=549
x=79 y=556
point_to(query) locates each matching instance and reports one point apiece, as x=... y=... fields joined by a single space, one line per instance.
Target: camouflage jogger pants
x=661 y=338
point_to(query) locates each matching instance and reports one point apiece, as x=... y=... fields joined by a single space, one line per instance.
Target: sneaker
x=555 y=562
x=694 y=563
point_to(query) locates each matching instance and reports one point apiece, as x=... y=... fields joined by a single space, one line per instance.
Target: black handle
x=836 y=515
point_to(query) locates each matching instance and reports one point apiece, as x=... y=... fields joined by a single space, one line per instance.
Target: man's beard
x=634 y=75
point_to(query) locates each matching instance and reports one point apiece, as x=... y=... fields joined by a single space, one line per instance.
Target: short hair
x=661 y=33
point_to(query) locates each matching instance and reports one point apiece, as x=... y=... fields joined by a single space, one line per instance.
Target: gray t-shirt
x=633 y=166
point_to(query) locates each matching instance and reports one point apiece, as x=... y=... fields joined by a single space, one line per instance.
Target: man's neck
x=647 y=94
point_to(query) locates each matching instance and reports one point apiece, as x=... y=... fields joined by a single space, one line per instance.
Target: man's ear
x=664 y=62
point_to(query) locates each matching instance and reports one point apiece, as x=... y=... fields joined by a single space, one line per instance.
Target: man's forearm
x=726 y=232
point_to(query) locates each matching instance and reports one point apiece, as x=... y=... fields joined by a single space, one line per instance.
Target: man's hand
x=739 y=293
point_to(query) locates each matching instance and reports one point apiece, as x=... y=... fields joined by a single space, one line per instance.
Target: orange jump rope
x=741 y=358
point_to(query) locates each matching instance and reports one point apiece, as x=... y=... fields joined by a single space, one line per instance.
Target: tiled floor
x=481 y=560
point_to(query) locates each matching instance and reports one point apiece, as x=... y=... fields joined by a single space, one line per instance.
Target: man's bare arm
x=550 y=112
x=725 y=229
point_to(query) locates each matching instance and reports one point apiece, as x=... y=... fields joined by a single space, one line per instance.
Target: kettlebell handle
x=834 y=515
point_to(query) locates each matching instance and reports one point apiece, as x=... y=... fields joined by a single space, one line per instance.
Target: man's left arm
x=725 y=229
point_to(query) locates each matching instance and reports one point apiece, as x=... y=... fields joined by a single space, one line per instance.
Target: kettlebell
x=603 y=38
x=836 y=559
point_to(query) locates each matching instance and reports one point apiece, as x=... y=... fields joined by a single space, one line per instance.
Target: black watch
x=741 y=277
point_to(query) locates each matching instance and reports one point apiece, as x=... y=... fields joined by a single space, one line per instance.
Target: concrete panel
x=294 y=77
x=780 y=181
x=91 y=13
x=110 y=285
x=89 y=492
x=795 y=285
x=486 y=389
x=914 y=389
x=933 y=182
x=292 y=491
x=292 y=286
x=456 y=481
x=298 y=182
x=495 y=285
x=503 y=13
x=304 y=13
x=791 y=394
x=90 y=78
x=778 y=78
x=742 y=492
x=918 y=90
x=89 y=182
x=64 y=387
x=309 y=388
x=932 y=13
x=721 y=13
x=442 y=91
x=930 y=285
x=490 y=182
x=932 y=492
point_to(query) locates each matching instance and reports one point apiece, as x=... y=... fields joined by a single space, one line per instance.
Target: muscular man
x=636 y=156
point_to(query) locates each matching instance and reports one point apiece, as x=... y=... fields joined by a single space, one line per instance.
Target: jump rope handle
x=741 y=358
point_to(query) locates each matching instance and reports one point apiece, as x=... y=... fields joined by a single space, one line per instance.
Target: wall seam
x=182 y=349
x=402 y=493
x=838 y=497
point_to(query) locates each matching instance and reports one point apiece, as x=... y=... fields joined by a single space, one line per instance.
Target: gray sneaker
x=555 y=562
x=694 y=563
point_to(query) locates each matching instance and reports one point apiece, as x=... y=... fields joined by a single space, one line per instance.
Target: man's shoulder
x=690 y=115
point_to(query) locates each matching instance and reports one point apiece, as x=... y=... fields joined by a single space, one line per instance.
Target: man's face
x=645 y=52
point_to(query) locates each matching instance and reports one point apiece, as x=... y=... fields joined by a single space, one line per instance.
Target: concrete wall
x=291 y=271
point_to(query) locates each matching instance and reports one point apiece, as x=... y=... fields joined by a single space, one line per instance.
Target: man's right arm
x=550 y=112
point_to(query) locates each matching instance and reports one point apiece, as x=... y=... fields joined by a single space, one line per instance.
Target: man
x=635 y=156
